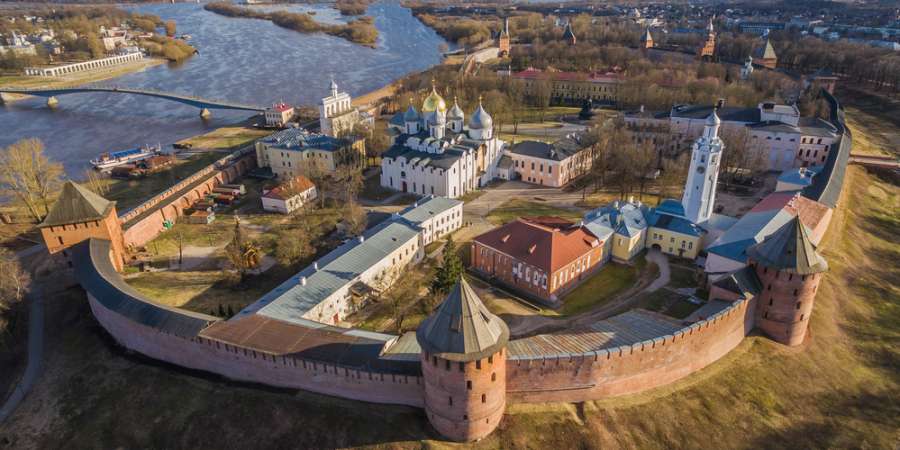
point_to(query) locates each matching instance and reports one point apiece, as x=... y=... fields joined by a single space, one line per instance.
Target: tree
x=542 y=94
x=170 y=28
x=294 y=244
x=178 y=234
x=29 y=176
x=448 y=273
x=13 y=285
x=241 y=253
x=355 y=218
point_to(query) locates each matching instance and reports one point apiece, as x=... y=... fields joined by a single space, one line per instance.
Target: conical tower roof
x=77 y=204
x=568 y=34
x=462 y=328
x=646 y=37
x=789 y=249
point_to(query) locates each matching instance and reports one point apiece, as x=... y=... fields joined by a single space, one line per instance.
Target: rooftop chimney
x=302 y=281
x=362 y=239
x=315 y=265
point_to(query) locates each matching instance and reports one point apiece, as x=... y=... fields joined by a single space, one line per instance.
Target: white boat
x=109 y=160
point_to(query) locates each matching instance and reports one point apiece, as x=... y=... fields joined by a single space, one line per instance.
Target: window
x=483 y=398
x=434 y=360
x=448 y=364
x=494 y=376
x=478 y=364
x=450 y=401
x=60 y=240
x=469 y=385
x=462 y=367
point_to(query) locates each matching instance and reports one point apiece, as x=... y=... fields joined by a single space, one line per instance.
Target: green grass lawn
x=599 y=289
x=515 y=208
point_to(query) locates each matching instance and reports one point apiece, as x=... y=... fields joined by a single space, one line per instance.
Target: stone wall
x=630 y=369
x=244 y=364
x=144 y=222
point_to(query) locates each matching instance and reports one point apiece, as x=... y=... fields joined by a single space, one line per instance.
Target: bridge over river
x=204 y=104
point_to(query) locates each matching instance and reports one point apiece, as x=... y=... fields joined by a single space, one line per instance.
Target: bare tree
x=294 y=244
x=542 y=93
x=355 y=219
x=13 y=285
x=29 y=176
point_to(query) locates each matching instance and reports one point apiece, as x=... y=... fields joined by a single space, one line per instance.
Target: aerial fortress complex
x=461 y=365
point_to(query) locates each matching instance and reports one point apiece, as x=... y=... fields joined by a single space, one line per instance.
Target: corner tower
x=80 y=214
x=789 y=269
x=464 y=366
x=700 y=190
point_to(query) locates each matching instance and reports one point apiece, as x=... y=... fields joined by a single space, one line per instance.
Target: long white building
x=435 y=153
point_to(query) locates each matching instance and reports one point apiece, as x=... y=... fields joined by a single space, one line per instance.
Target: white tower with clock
x=700 y=190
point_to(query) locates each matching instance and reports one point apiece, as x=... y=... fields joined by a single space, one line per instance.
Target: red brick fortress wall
x=144 y=222
x=630 y=369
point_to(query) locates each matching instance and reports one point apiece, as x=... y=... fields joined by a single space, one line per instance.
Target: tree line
x=360 y=31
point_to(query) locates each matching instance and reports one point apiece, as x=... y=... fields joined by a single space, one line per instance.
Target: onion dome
x=462 y=328
x=411 y=115
x=789 y=249
x=481 y=120
x=456 y=113
x=713 y=119
x=435 y=118
x=434 y=102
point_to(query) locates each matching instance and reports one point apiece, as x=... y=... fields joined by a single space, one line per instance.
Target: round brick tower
x=789 y=270
x=464 y=366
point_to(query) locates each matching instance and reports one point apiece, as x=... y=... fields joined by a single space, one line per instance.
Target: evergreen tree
x=447 y=274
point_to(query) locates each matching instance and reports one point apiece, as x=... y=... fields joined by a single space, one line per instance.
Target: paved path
x=35 y=353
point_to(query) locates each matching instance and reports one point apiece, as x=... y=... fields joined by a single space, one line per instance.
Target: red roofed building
x=290 y=196
x=543 y=257
x=279 y=114
x=572 y=87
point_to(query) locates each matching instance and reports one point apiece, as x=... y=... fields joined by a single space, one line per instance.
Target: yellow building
x=571 y=87
x=294 y=152
x=627 y=228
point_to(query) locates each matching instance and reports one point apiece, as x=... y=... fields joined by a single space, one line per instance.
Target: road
x=35 y=353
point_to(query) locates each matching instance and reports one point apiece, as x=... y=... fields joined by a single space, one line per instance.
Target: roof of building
x=505 y=162
x=411 y=115
x=462 y=328
x=300 y=139
x=281 y=107
x=766 y=51
x=670 y=206
x=568 y=34
x=398 y=120
x=77 y=204
x=624 y=330
x=789 y=249
x=423 y=210
x=725 y=113
x=743 y=282
x=814 y=126
x=434 y=102
x=95 y=272
x=674 y=223
x=557 y=151
x=548 y=243
x=827 y=185
x=291 y=300
x=293 y=187
x=624 y=218
x=480 y=119
x=800 y=176
x=765 y=218
x=444 y=160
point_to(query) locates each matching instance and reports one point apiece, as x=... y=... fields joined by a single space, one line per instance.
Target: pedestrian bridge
x=203 y=103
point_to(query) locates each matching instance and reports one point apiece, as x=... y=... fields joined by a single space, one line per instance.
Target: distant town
x=587 y=217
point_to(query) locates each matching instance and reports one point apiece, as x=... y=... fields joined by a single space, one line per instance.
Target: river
x=242 y=60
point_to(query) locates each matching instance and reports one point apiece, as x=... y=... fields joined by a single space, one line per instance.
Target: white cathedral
x=435 y=153
x=700 y=189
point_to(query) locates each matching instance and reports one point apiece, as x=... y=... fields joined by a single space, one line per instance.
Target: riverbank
x=78 y=78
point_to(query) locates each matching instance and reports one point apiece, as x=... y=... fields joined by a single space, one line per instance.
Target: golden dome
x=434 y=102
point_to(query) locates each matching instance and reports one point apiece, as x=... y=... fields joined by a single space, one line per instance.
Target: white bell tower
x=700 y=190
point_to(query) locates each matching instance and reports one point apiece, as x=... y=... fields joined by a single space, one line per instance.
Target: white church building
x=435 y=153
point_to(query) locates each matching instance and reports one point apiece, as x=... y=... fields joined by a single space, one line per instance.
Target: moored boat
x=108 y=160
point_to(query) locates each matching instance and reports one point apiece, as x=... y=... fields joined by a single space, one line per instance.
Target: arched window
x=483 y=398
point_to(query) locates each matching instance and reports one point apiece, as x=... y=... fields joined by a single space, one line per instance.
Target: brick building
x=543 y=257
x=80 y=214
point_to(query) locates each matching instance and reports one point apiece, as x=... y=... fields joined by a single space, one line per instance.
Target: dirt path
x=35 y=353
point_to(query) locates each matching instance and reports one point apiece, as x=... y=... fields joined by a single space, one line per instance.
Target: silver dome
x=481 y=120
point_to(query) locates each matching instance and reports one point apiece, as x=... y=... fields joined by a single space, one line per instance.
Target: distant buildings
x=279 y=114
x=647 y=39
x=543 y=257
x=553 y=164
x=708 y=50
x=289 y=196
x=571 y=87
x=765 y=56
x=503 y=41
x=295 y=151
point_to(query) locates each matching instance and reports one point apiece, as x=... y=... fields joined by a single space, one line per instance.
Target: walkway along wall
x=145 y=221
x=630 y=369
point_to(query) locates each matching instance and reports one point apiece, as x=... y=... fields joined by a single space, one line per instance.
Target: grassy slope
x=515 y=208
x=840 y=389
